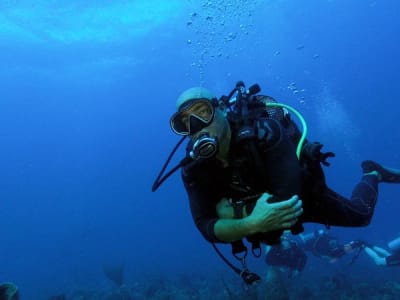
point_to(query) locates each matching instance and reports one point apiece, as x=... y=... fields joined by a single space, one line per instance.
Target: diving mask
x=193 y=117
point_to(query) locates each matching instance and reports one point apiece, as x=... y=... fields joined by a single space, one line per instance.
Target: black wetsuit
x=324 y=245
x=278 y=172
x=292 y=257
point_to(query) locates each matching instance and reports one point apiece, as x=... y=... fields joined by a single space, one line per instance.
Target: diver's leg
x=330 y=208
x=379 y=260
x=380 y=251
x=385 y=174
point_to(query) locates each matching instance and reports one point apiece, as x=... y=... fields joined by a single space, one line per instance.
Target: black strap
x=248 y=277
x=256 y=248
x=239 y=247
x=237 y=206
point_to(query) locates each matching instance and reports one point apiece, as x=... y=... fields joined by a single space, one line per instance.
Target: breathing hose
x=303 y=124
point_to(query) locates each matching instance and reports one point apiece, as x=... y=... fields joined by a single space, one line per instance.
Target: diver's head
x=193 y=93
x=195 y=111
x=199 y=113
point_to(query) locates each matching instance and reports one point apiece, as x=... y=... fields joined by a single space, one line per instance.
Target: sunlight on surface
x=71 y=22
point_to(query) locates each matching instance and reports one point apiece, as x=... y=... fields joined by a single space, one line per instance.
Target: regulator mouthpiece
x=204 y=147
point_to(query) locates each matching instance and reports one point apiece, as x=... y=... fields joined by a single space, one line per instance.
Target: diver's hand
x=275 y=216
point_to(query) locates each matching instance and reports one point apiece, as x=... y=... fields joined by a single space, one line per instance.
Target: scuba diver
x=326 y=246
x=383 y=257
x=284 y=260
x=288 y=256
x=250 y=173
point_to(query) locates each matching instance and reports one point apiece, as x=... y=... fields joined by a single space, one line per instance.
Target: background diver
x=383 y=257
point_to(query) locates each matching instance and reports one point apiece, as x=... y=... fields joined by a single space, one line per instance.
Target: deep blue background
x=86 y=96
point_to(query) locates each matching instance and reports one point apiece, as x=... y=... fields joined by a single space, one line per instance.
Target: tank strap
x=238 y=206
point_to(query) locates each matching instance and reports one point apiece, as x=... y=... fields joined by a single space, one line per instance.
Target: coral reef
x=340 y=285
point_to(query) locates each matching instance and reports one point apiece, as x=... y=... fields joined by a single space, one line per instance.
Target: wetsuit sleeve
x=393 y=260
x=202 y=200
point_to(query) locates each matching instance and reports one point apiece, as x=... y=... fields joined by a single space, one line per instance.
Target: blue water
x=86 y=92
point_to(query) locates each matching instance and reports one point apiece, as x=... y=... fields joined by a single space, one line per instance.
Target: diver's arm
x=227 y=228
x=230 y=230
x=214 y=217
x=218 y=228
x=264 y=217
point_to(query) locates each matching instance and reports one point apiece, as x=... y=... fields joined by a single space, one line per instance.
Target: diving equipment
x=193 y=116
x=240 y=103
x=237 y=103
x=204 y=147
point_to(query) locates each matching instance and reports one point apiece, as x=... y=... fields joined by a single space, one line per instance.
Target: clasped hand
x=275 y=216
